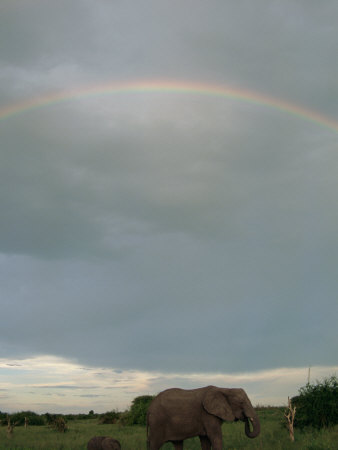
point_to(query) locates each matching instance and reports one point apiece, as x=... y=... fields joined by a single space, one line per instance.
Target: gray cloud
x=62 y=386
x=160 y=231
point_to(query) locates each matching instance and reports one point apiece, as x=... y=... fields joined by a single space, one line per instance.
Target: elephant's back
x=95 y=442
x=175 y=399
x=178 y=394
x=104 y=443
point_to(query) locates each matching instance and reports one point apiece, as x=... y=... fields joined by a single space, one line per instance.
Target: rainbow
x=170 y=86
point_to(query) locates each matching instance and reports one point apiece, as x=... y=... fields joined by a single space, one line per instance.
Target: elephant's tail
x=148 y=443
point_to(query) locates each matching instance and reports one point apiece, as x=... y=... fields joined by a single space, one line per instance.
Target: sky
x=168 y=199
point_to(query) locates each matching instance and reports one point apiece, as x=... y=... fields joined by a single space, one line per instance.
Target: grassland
x=273 y=436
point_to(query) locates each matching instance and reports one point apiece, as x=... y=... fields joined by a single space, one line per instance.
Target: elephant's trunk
x=256 y=427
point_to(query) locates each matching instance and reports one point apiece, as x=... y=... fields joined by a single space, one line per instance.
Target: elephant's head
x=232 y=404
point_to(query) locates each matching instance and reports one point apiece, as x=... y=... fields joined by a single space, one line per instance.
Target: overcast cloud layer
x=169 y=232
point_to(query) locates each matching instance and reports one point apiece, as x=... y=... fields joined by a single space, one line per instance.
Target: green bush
x=60 y=424
x=110 y=417
x=317 y=404
x=57 y=422
x=137 y=414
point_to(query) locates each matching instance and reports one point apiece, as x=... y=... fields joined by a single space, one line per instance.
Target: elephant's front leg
x=178 y=445
x=214 y=433
x=205 y=443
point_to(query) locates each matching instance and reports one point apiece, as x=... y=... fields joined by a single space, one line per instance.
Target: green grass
x=273 y=436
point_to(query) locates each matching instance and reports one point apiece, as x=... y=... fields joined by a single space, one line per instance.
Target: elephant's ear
x=215 y=403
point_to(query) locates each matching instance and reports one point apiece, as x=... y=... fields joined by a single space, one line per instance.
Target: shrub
x=110 y=417
x=317 y=404
x=60 y=424
x=57 y=422
x=124 y=418
x=137 y=414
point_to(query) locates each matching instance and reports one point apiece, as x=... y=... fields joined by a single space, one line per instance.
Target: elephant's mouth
x=256 y=428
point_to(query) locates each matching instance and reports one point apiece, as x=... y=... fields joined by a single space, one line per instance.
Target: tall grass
x=273 y=436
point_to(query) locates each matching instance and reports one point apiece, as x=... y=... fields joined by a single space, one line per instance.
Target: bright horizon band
x=154 y=86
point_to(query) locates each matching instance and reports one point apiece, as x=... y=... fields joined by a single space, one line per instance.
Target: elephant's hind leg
x=205 y=443
x=178 y=445
x=155 y=444
x=216 y=443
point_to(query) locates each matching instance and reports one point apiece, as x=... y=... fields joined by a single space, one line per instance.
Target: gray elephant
x=178 y=414
x=103 y=443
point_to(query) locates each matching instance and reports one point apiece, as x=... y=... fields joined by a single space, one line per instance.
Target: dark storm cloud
x=169 y=231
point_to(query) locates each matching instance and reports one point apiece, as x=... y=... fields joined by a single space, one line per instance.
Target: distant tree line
x=22 y=418
x=136 y=415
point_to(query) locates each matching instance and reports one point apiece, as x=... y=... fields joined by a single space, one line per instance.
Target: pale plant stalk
x=290 y=417
x=10 y=427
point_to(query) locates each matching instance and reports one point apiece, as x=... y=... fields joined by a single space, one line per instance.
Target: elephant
x=103 y=443
x=178 y=414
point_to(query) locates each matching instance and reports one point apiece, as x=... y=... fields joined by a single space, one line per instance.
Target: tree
x=110 y=417
x=317 y=404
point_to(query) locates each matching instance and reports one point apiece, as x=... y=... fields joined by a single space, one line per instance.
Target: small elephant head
x=103 y=443
x=232 y=404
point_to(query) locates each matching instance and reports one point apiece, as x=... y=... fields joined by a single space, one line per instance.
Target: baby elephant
x=103 y=443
